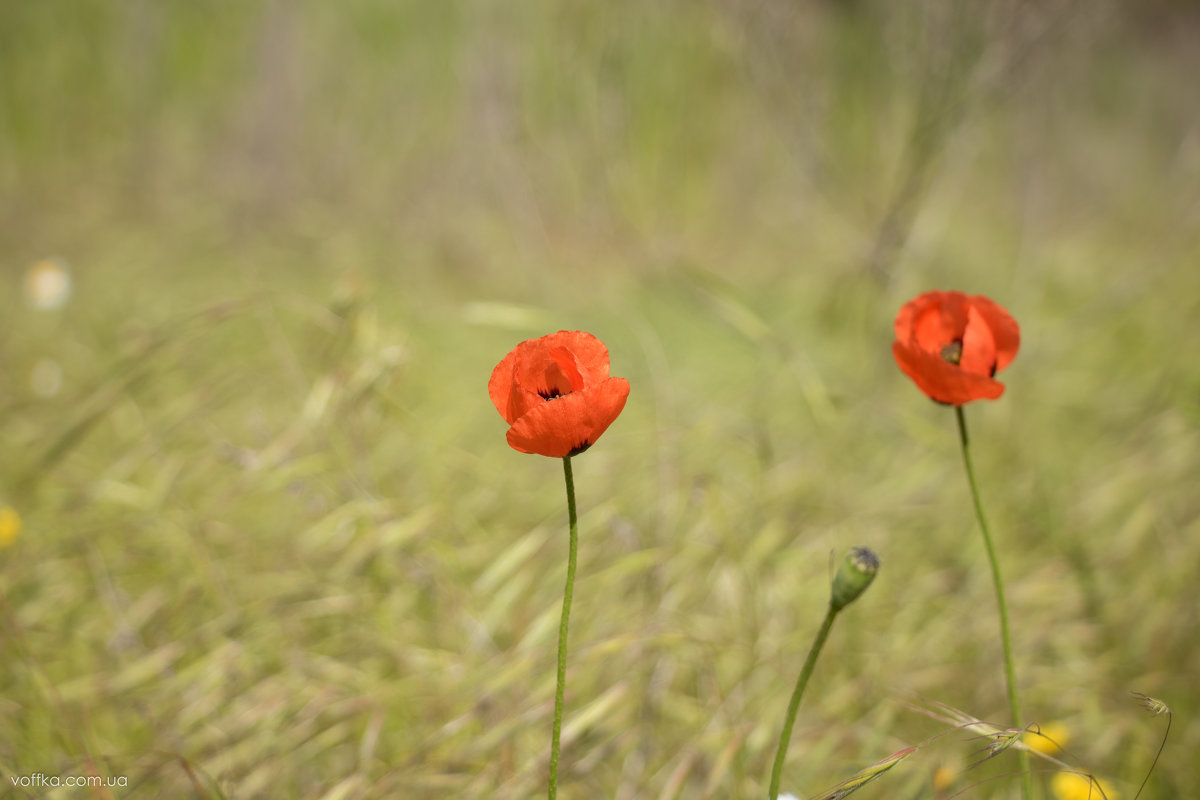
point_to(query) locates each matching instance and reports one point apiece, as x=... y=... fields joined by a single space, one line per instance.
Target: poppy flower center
x=952 y=352
x=555 y=384
x=561 y=376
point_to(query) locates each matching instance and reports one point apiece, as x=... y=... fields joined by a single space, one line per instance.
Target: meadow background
x=274 y=543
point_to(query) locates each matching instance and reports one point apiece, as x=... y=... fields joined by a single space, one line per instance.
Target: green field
x=273 y=543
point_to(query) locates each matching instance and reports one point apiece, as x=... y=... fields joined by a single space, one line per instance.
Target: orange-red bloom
x=952 y=345
x=556 y=394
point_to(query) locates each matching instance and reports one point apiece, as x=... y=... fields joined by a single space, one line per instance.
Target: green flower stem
x=1010 y=674
x=797 y=693
x=568 y=591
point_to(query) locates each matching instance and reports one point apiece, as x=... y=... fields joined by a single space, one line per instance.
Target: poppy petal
x=508 y=396
x=568 y=366
x=943 y=381
x=1005 y=331
x=934 y=319
x=903 y=326
x=940 y=320
x=978 y=346
x=540 y=371
x=537 y=372
x=569 y=424
x=591 y=356
x=500 y=385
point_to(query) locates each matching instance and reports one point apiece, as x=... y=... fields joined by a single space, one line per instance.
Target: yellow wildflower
x=1073 y=786
x=943 y=779
x=10 y=526
x=1048 y=739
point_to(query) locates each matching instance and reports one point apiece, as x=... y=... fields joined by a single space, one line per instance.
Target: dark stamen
x=953 y=351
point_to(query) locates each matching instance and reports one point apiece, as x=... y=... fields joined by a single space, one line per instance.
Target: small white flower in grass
x=48 y=284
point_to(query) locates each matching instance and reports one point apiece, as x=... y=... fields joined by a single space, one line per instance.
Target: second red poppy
x=952 y=344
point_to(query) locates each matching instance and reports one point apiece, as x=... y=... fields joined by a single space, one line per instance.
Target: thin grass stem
x=1157 y=755
x=568 y=592
x=1010 y=674
x=794 y=704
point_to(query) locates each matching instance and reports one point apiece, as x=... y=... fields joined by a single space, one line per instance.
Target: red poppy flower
x=952 y=345
x=556 y=394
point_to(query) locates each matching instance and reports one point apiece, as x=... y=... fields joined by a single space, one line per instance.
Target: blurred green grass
x=274 y=543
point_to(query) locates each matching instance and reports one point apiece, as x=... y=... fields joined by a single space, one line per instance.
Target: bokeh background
x=272 y=542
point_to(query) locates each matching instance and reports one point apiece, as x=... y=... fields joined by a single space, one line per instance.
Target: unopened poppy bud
x=854 y=575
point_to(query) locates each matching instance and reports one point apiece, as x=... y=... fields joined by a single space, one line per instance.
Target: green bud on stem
x=854 y=575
